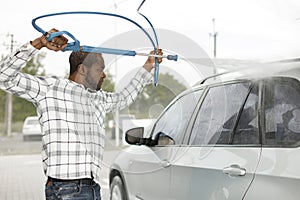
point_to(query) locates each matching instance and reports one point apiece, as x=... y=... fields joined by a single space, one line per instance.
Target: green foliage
x=167 y=89
x=34 y=66
x=108 y=84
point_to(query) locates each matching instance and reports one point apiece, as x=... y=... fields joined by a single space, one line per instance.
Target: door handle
x=164 y=163
x=234 y=170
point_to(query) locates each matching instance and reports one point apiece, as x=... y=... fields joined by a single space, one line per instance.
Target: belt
x=84 y=181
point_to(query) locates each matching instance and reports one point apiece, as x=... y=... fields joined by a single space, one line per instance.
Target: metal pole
x=117 y=121
x=215 y=38
x=8 y=112
x=214 y=35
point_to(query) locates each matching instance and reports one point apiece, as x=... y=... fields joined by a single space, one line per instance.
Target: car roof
x=251 y=72
x=31 y=118
x=255 y=71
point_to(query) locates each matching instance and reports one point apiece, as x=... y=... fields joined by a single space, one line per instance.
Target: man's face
x=95 y=75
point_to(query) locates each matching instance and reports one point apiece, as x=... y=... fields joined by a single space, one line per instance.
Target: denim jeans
x=75 y=190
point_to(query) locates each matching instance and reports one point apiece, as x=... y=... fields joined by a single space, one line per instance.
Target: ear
x=82 y=70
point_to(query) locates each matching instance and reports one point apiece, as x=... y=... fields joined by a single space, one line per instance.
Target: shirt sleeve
x=122 y=99
x=17 y=83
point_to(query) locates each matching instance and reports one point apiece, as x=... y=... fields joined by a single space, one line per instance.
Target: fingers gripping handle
x=72 y=46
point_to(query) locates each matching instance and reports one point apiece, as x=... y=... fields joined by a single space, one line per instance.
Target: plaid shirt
x=71 y=117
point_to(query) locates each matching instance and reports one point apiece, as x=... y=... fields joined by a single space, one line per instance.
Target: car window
x=175 y=119
x=247 y=131
x=32 y=122
x=282 y=112
x=218 y=113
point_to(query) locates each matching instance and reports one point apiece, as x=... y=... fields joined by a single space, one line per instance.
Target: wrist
x=37 y=43
x=148 y=66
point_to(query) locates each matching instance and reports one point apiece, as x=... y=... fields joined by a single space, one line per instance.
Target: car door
x=278 y=176
x=224 y=149
x=153 y=167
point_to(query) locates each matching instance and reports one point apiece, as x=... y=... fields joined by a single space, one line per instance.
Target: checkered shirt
x=71 y=117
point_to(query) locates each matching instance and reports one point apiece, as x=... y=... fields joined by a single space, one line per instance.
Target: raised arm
x=56 y=44
x=128 y=94
x=24 y=85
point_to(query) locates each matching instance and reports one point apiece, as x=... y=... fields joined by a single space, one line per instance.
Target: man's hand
x=56 y=44
x=149 y=64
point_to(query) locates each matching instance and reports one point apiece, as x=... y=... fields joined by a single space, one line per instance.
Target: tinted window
x=247 y=131
x=218 y=113
x=174 y=121
x=32 y=122
x=282 y=112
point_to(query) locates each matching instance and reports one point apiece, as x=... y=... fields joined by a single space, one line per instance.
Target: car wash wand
x=75 y=45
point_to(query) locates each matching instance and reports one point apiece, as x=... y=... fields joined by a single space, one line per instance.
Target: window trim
x=252 y=85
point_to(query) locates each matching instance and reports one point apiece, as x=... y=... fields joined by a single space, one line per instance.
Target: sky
x=246 y=29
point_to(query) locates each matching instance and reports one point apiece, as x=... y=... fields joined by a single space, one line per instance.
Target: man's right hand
x=149 y=65
x=56 y=44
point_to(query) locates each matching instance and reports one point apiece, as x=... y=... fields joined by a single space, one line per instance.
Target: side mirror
x=135 y=136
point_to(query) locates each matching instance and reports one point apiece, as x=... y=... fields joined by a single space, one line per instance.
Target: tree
x=167 y=89
x=108 y=84
x=34 y=66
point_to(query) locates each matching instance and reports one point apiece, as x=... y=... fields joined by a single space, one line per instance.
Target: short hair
x=85 y=58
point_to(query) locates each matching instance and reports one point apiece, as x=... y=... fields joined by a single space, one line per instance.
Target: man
x=71 y=113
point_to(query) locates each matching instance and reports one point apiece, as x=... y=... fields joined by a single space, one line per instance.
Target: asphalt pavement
x=21 y=172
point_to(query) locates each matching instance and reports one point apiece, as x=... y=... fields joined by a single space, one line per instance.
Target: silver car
x=31 y=129
x=229 y=137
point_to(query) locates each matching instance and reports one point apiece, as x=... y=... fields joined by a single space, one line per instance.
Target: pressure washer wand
x=75 y=45
x=117 y=52
x=169 y=57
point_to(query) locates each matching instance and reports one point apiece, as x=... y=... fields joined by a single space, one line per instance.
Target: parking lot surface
x=21 y=172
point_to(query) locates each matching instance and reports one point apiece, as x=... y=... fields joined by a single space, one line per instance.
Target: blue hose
x=84 y=12
x=75 y=45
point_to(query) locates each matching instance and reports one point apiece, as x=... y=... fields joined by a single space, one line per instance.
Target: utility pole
x=117 y=121
x=214 y=34
x=8 y=111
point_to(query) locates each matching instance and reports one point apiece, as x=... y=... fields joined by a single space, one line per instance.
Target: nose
x=103 y=75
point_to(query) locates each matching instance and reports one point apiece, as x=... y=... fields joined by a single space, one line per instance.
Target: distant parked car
x=229 y=137
x=31 y=129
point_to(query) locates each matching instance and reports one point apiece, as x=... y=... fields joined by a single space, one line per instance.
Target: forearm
x=130 y=92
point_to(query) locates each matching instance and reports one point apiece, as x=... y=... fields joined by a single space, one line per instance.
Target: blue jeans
x=73 y=189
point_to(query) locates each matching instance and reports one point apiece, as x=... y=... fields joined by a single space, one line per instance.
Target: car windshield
x=32 y=122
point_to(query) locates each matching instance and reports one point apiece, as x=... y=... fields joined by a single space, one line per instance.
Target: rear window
x=282 y=112
x=32 y=122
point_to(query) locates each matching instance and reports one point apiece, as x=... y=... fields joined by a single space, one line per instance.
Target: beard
x=94 y=85
x=99 y=85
